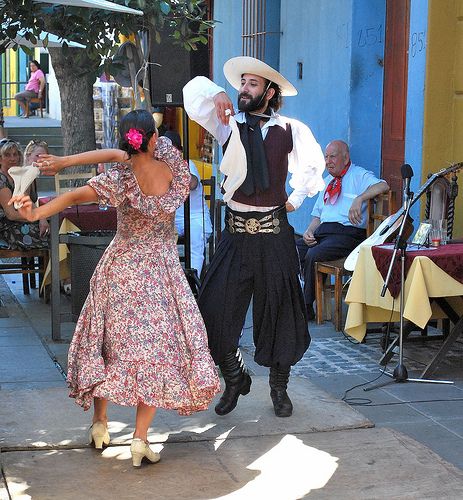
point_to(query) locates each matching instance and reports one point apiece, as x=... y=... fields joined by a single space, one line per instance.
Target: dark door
x=395 y=92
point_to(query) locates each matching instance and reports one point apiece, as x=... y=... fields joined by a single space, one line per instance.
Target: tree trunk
x=76 y=91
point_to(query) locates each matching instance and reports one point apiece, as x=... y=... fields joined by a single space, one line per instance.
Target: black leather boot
x=278 y=380
x=237 y=382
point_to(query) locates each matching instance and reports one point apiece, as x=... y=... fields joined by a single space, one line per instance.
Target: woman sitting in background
x=34 y=87
x=15 y=232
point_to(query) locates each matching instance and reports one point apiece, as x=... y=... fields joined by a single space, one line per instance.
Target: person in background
x=33 y=150
x=339 y=215
x=256 y=258
x=140 y=340
x=200 y=218
x=16 y=232
x=34 y=87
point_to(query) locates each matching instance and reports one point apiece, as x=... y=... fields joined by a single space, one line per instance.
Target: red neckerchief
x=333 y=190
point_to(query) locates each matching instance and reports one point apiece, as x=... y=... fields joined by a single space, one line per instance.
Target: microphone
x=407 y=173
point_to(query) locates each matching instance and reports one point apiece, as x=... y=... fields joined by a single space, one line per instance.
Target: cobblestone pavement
x=335 y=354
x=339 y=356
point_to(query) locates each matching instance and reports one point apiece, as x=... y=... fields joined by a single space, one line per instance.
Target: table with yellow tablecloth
x=424 y=281
x=64 y=267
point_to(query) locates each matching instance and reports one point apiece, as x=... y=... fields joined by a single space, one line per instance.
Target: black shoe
x=282 y=405
x=310 y=312
x=237 y=382
x=278 y=380
x=230 y=396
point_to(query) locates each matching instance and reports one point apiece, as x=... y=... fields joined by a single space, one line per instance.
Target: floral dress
x=140 y=337
x=18 y=235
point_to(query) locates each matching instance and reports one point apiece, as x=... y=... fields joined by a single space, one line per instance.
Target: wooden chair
x=209 y=196
x=68 y=182
x=378 y=209
x=40 y=101
x=33 y=261
x=440 y=201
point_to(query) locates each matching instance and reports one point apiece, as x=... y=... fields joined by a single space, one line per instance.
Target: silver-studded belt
x=268 y=224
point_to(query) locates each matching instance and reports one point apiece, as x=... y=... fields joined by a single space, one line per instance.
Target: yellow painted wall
x=204 y=168
x=443 y=121
x=11 y=76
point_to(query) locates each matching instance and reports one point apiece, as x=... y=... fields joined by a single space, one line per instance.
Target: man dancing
x=256 y=257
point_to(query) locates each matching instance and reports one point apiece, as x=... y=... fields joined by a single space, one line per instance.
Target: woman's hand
x=44 y=227
x=51 y=164
x=27 y=207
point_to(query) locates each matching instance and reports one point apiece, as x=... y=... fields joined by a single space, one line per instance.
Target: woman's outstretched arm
x=51 y=164
x=84 y=194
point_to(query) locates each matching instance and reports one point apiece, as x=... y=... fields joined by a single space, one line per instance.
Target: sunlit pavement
x=328 y=449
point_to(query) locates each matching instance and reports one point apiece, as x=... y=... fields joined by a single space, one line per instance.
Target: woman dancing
x=140 y=340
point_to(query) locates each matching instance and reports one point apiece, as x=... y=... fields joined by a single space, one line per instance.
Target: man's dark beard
x=252 y=105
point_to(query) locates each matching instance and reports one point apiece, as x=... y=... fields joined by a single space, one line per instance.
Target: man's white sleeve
x=306 y=164
x=198 y=95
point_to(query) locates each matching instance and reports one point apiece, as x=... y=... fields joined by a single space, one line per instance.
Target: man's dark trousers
x=334 y=241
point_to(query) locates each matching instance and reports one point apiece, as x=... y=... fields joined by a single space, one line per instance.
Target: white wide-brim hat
x=235 y=67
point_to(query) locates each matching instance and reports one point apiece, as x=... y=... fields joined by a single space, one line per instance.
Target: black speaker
x=174 y=67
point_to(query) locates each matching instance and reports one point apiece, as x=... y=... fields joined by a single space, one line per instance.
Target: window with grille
x=254 y=28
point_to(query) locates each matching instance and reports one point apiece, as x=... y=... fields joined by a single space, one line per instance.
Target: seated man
x=339 y=215
x=200 y=219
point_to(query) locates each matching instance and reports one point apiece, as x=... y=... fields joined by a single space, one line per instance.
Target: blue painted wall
x=313 y=35
x=341 y=46
x=227 y=39
x=415 y=97
x=366 y=81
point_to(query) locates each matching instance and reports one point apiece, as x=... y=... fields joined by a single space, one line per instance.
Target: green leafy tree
x=76 y=69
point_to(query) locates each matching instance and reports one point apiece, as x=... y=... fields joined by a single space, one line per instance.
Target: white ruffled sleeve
x=306 y=164
x=198 y=95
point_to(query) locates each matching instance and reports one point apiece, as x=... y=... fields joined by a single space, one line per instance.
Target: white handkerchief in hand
x=23 y=177
x=234 y=163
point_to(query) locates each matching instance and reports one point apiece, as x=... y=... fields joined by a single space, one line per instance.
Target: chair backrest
x=209 y=189
x=440 y=201
x=37 y=102
x=68 y=182
x=379 y=209
x=219 y=206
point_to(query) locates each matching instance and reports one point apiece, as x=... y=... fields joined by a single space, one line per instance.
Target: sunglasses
x=37 y=142
x=7 y=141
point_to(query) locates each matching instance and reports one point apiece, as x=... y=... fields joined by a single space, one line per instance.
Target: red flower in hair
x=134 y=138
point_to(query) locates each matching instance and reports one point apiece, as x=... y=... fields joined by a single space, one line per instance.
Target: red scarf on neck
x=333 y=190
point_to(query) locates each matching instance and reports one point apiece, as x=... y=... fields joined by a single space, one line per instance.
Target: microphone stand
x=400 y=373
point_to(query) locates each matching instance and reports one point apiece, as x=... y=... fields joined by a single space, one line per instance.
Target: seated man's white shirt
x=355 y=182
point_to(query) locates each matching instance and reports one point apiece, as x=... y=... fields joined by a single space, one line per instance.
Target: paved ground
x=31 y=122
x=326 y=450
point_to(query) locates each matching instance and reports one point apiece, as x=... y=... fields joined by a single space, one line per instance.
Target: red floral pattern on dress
x=140 y=336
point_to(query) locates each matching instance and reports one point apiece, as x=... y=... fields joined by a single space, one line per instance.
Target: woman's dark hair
x=143 y=122
x=36 y=63
x=276 y=101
